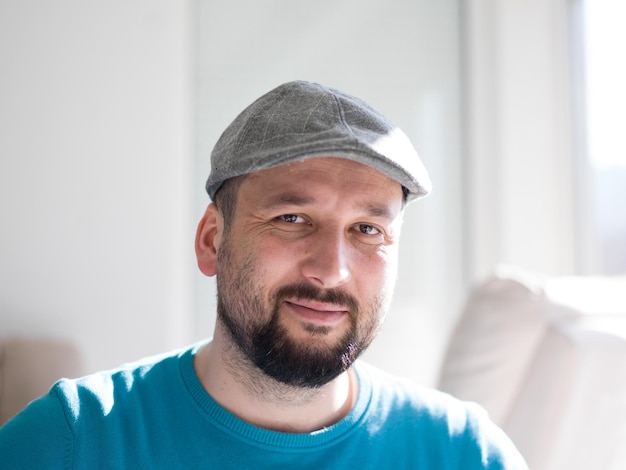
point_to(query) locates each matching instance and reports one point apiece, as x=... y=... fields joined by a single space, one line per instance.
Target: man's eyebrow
x=288 y=199
x=380 y=211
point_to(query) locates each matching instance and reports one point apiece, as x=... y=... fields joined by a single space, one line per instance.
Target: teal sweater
x=156 y=414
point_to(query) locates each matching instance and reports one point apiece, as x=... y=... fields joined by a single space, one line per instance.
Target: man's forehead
x=307 y=182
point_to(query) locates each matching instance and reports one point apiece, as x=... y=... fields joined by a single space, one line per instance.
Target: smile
x=317 y=312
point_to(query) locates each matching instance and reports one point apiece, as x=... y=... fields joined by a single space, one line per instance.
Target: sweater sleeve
x=496 y=449
x=38 y=437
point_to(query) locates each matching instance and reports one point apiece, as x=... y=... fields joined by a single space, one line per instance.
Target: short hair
x=226 y=199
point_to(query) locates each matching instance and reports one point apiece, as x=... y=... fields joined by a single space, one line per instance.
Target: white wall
x=400 y=55
x=95 y=171
x=524 y=194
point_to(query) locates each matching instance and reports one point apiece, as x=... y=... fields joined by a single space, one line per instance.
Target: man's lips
x=317 y=311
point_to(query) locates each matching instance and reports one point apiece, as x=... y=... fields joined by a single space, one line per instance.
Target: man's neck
x=245 y=391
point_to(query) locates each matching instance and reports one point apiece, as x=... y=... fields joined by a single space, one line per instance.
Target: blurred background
x=109 y=111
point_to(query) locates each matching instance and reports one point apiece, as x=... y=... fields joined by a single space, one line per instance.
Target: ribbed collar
x=255 y=435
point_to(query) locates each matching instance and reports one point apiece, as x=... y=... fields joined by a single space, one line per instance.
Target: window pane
x=606 y=130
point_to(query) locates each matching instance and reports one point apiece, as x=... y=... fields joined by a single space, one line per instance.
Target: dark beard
x=270 y=348
x=268 y=345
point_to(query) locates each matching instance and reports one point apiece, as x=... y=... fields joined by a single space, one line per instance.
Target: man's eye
x=368 y=229
x=291 y=218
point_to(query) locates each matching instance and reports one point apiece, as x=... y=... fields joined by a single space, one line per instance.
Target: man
x=309 y=186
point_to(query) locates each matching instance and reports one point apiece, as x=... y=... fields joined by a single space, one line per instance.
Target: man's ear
x=208 y=239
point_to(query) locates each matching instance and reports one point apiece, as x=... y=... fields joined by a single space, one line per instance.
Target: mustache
x=304 y=291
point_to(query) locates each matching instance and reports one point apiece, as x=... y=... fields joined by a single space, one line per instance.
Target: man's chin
x=307 y=362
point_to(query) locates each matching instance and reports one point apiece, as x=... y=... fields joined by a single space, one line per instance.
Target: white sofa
x=547 y=358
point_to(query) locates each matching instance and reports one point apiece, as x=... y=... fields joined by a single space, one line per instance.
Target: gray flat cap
x=300 y=120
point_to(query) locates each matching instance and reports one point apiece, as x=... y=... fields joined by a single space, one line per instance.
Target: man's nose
x=326 y=263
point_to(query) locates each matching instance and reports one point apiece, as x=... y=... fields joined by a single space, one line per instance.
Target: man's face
x=306 y=270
